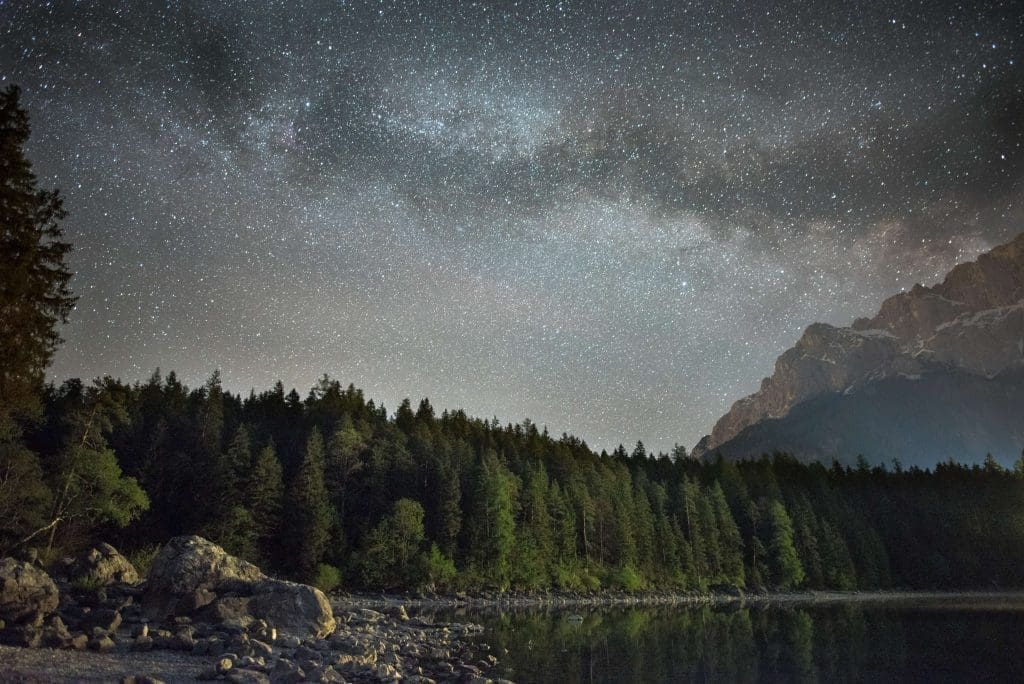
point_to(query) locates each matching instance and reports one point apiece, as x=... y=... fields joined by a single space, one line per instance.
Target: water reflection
x=791 y=643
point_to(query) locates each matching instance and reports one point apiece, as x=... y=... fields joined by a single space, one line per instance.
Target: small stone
x=328 y=675
x=286 y=672
x=224 y=664
x=105 y=619
x=287 y=641
x=215 y=646
x=79 y=642
x=306 y=653
x=142 y=644
x=261 y=648
x=103 y=644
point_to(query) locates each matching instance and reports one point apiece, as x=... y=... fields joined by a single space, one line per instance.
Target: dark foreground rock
x=192 y=576
x=205 y=614
x=26 y=592
x=103 y=566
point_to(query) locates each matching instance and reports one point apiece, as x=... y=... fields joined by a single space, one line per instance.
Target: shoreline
x=51 y=665
x=486 y=601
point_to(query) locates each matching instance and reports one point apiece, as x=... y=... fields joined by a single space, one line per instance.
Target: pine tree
x=264 y=501
x=237 y=463
x=391 y=548
x=34 y=277
x=34 y=299
x=492 y=535
x=784 y=564
x=730 y=540
x=534 y=540
x=310 y=519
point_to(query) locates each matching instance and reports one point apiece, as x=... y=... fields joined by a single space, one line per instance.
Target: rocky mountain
x=938 y=372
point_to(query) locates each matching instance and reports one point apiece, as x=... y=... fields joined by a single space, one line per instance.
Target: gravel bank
x=45 y=665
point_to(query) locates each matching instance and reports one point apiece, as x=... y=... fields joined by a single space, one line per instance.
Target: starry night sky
x=607 y=217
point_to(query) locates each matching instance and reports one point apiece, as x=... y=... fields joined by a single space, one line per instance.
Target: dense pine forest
x=332 y=489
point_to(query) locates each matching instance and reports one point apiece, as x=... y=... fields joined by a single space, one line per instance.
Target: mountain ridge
x=970 y=324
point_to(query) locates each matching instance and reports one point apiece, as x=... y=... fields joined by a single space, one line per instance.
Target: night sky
x=607 y=218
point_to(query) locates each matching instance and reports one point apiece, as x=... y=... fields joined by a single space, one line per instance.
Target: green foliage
x=264 y=499
x=436 y=569
x=391 y=548
x=492 y=538
x=88 y=484
x=142 y=558
x=34 y=277
x=480 y=505
x=785 y=569
x=310 y=513
x=327 y=578
x=25 y=499
x=234 y=530
x=629 y=578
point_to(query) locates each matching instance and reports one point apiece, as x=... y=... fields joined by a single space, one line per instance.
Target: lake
x=976 y=639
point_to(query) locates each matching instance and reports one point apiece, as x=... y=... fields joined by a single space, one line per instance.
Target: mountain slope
x=929 y=360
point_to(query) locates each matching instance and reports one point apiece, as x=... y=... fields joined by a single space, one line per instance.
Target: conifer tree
x=34 y=278
x=309 y=510
x=492 y=536
x=784 y=564
x=391 y=549
x=34 y=299
x=264 y=501
x=730 y=541
x=237 y=463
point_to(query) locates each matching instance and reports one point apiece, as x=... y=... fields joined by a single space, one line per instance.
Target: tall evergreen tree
x=784 y=565
x=730 y=541
x=310 y=512
x=264 y=499
x=34 y=278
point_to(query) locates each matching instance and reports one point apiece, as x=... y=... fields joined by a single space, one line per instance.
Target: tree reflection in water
x=796 y=643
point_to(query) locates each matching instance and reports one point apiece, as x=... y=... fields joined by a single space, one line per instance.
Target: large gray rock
x=192 y=574
x=293 y=608
x=27 y=593
x=103 y=566
x=189 y=573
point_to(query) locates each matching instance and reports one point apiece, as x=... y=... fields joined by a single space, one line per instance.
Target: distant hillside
x=938 y=372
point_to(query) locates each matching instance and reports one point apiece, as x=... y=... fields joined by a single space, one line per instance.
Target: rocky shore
x=203 y=614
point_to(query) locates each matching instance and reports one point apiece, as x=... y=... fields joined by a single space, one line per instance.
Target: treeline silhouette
x=332 y=489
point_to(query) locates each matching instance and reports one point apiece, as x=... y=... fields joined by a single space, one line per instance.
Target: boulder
x=26 y=592
x=103 y=566
x=293 y=608
x=190 y=572
x=192 y=575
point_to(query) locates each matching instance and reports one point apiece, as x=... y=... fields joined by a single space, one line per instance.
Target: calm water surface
x=947 y=640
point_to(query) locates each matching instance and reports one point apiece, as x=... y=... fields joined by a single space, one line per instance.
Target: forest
x=332 y=489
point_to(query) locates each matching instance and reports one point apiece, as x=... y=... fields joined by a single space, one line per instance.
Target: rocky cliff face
x=969 y=328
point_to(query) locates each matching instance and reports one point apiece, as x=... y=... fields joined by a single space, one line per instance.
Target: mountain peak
x=972 y=323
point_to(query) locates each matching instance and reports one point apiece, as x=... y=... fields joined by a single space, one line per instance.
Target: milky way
x=609 y=218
